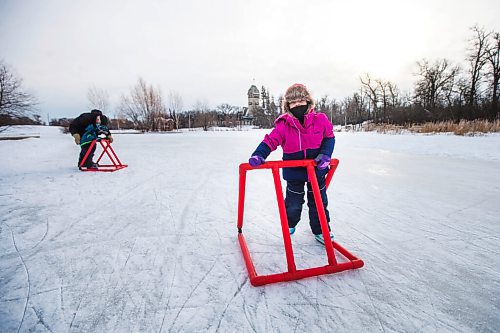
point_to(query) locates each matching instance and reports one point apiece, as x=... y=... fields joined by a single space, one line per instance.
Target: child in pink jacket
x=303 y=134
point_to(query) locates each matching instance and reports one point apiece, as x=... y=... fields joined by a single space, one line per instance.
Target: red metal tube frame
x=293 y=273
x=106 y=149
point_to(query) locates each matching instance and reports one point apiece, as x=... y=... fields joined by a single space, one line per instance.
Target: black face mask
x=299 y=112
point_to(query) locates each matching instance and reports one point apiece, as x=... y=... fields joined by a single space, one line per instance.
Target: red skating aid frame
x=293 y=273
x=106 y=148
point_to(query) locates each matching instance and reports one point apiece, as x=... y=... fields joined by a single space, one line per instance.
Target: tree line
x=442 y=91
x=147 y=110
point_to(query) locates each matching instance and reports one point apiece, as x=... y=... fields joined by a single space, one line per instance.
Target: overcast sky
x=213 y=51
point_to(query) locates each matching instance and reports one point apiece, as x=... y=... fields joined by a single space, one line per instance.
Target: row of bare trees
x=468 y=93
x=442 y=90
x=145 y=107
x=147 y=110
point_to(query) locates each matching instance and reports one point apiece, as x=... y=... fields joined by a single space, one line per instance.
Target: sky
x=213 y=51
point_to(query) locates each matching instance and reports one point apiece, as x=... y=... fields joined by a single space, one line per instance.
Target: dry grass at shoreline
x=464 y=127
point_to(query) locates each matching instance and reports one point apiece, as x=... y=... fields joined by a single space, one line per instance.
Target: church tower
x=253 y=99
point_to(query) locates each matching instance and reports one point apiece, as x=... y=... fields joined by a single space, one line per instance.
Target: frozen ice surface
x=153 y=247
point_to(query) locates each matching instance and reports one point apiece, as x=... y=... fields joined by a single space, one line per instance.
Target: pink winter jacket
x=293 y=137
x=299 y=141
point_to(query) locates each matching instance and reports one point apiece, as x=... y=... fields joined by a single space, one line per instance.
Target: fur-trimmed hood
x=297 y=92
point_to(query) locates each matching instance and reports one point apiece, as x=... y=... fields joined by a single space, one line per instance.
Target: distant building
x=253 y=99
x=163 y=123
x=253 y=103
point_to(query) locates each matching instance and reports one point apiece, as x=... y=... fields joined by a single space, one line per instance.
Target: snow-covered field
x=154 y=247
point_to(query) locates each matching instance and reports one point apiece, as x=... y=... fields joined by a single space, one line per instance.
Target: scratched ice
x=153 y=248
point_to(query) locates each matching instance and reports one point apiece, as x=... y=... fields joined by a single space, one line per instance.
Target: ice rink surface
x=153 y=247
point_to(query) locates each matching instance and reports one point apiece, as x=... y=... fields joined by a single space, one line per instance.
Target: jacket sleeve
x=262 y=150
x=76 y=125
x=327 y=146
x=328 y=143
x=270 y=143
x=328 y=128
x=102 y=129
x=275 y=138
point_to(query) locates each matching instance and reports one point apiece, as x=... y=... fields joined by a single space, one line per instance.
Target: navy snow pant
x=295 y=199
x=88 y=161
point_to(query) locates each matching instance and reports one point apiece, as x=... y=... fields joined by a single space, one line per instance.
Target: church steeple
x=253 y=99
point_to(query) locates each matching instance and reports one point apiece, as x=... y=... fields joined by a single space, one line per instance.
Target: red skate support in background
x=293 y=273
x=106 y=149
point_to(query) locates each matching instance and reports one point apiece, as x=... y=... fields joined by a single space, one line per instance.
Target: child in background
x=85 y=128
x=303 y=134
x=93 y=132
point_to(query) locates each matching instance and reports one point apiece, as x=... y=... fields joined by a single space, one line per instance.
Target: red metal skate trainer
x=293 y=273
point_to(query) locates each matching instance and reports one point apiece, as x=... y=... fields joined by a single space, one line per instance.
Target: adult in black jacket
x=77 y=129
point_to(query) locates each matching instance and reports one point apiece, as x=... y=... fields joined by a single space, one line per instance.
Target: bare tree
x=493 y=58
x=394 y=94
x=460 y=91
x=98 y=99
x=175 y=106
x=371 y=90
x=435 y=82
x=15 y=102
x=226 y=109
x=203 y=116
x=144 y=106
x=351 y=109
x=384 y=97
x=322 y=104
x=477 y=57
